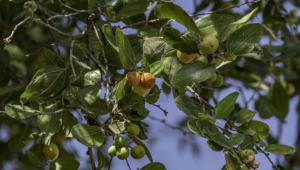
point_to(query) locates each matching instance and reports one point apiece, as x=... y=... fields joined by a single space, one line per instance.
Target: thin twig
x=128 y=164
x=109 y=163
x=142 y=22
x=71 y=59
x=267 y=155
x=8 y=39
x=159 y=107
x=202 y=101
x=90 y=153
x=163 y=121
x=69 y=15
x=74 y=8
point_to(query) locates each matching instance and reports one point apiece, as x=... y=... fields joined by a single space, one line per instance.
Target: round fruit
x=112 y=150
x=219 y=81
x=229 y=56
x=203 y=59
x=140 y=90
x=255 y=164
x=119 y=142
x=290 y=89
x=212 y=78
x=185 y=58
x=147 y=80
x=50 y=152
x=157 y=11
x=209 y=44
x=122 y=153
x=133 y=129
x=133 y=78
x=138 y=152
x=246 y=153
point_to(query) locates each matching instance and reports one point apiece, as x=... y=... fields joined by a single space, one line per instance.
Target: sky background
x=164 y=143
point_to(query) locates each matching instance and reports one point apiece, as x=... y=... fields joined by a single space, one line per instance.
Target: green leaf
x=108 y=33
x=68 y=121
x=279 y=100
x=51 y=58
x=188 y=105
x=88 y=79
x=90 y=94
x=137 y=141
x=19 y=111
x=92 y=4
x=280 y=149
x=127 y=56
x=248 y=143
x=212 y=25
x=231 y=163
x=46 y=82
x=214 y=146
x=154 y=166
x=91 y=136
x=175 y=12
x=119 y=91
x=192 y=125
x=193 y=73
x=236 y=139
x=154 y=48
x=225 y=106
x=48 y=124
x=35 y=160
x=244 y=116
x=64 y=164
x=172 y=65
x=153 y=95
x=242 y=41
x=156 y=68
x=221 y=140
x=117 y=126
x=102 y=161
x=261 y=129
x=228 y=30
x=132 y=9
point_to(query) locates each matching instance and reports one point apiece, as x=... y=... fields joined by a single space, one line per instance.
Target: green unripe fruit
x=133 y=129
x=212 y=78
x=210 y=44
x=138 y=152
x=119 y=142
x=219 y=81
x=141 y=90
x=50 y=152
x=112 y=150
x=203 y=59
x=229 y=56
x=157 y=11
x=122 y=153
x=246 y=153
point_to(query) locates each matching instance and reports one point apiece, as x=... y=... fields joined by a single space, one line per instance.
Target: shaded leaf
x=108 y=33
x=19 y=111
x=236 y=139
x=51 y=58
x=91 y=136
x=154 y=48
x=132 y=9
x=35 y=160
x=64 y=164
x=48 y=124
x=189 y=106
x=154 y=166
x=88 y=79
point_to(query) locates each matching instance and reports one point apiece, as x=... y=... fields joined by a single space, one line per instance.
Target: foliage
x=59 y=58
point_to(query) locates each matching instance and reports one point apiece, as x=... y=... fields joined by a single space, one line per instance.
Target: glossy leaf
x=51 y=58
x=19 y=111
x=225 y=106
x=280 y=149
x=212 y=25
x=68 y=121
x=90 y=94
x=244 y=116
x=127 y=56
x=242 y=41
x=88 y=79
x=48 y=124
x=91 y=136
x=45 y=82
x=119 y=91
x=117 y=126
x=192 y=125
x=154 y=166
x=188 y=105
x=132 y=9
x=64 y=164
x=175 y=12
x=154 y=48
x=193 y=73
x=108 y=33
x=171 y=65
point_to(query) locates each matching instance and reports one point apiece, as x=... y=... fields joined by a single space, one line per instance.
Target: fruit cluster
x=120 y=149
x=140 y=83
x=249 y=159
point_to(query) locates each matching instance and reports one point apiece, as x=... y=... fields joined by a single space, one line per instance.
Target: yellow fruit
x=50 y=152
x=133 y=78
x=147 y=80
x=138 y=152
x=157 y=11
x=140 y=90
x=185 y=58
x=209 y=44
